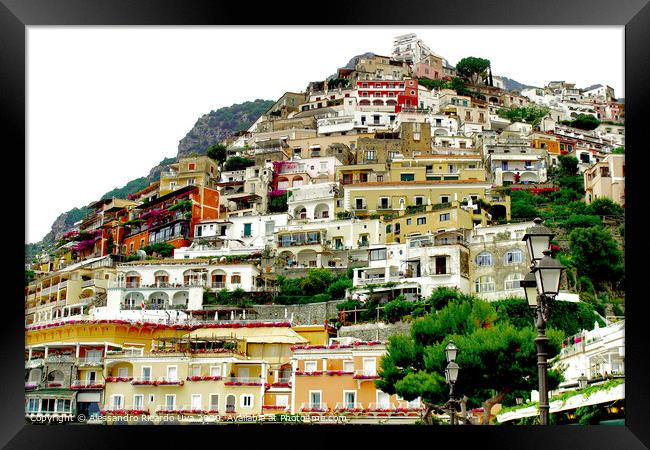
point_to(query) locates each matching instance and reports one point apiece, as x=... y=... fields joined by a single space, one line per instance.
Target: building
x=516 y=164
x=189 y=171
x=606 y=179
x=338 y=379
x=387 y=95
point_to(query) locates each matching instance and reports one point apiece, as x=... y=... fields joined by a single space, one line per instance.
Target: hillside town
x=268 y=277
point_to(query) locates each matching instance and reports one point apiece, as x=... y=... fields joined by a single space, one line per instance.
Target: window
x=282 y=400
x=191 y=166
x=248 y=229
x=419 y=200
x=172 y=373
x=235 y=279
x=441 y=265
x=32 y=405
x=349 y=399
x=515 y=256
x=409 y=221
x=191 y=181
x=310 y=366
x=122 y=372
x=195 y=371
x=513 y=281
x=215 y=371
x=348 y=366
x=314 y=399
x=117 y=401
x=422 y=220
x=484 y=259
x=444 y=217
x=370 y=155
x=444 y=199
x=170 y=401
x=138 y=401
x=389 y=228
x=246 y=401
x=485 y=284
x=196 y=401
x=214 y=402
x=146 y=373
x=269 y=227
x=383 y=400
x=383 y=203
x=369 y=366
x=407 y=177
x=380 y=178
x=378 y=254
x=359 y=203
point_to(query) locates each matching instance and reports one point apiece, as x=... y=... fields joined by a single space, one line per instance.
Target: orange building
x=170 y=218
x=339 y=379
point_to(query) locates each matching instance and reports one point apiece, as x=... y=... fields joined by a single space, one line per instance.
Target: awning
x=262 y=335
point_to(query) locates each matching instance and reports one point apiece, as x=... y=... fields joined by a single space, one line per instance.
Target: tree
x=397 y=308
x=495 y=357
x=29 y=276
x=532 y=114
x=217 y=152
x=585 y=122
x=619 y=151
x=161 y=248
x=316 y=281
x=568 y=165
x=238 y=163
x=596 y=255
x=278 y=203
x=473 y=69
x=605 y=207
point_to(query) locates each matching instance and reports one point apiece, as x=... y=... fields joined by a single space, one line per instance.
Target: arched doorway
x=159 y=300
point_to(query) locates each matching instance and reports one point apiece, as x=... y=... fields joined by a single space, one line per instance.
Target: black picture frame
x=15 y=15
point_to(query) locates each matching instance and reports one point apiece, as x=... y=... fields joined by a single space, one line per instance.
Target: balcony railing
x=60 y=359
x=91 y=361
x=218 y=285
x=87 y=384
x=32 y=363
x=314 y=407
x=365 y=374
x=348 y=407
x=243 y=381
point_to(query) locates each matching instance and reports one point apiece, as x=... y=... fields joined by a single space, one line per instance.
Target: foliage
x=397 y=308
x=574 y=183
x=529 y=114
x=596 y=255
x=496 y=357
x=605 y=207
x=278 y=203
x=442 y=296
x=523 y=205
x=343 y=214
x=161 y=248
x=184 y=205
x=316 y=281
x=472 y=68
x=618 y=151
x=338 y=82
x=584 y=122
x=238 y=163
x=29 y=276
x=110 y=243
x=568 y=165
x=581 y=221
x=217 y=152
x=238 y=298
x=337 y=288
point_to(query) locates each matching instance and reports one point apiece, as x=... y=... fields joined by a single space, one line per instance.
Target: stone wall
x=375 y=331
x=309 y=313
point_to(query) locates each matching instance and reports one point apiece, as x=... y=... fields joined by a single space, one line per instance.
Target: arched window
x=484 y=259
x=513 y=281
x=485 y=284
x=514 y=256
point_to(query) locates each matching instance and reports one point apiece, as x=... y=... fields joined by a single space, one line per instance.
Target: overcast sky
x=106 y=104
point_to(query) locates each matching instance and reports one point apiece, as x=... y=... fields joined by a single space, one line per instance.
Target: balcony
x=348 y=407
x=149 y=381
x=243 y=381
x=54 y=359
x=218 y=285
x=91 y=361
x=365 y=374
x=86 y=384
x=32 y=363
x=314 y=408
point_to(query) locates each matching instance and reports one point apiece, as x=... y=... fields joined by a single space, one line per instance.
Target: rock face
x=215 y=126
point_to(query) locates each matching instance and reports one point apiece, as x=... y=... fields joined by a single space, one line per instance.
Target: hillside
x=209 y=129
x=215 y=126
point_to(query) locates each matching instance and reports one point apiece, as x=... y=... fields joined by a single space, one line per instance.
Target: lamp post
x=451 y=375
x=541 y=286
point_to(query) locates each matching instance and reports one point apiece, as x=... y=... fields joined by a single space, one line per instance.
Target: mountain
x=209 y=129
x=512 y=85
x=215 y=126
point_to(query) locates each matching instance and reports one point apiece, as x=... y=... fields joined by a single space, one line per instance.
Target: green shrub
x=605 y=207
x=337 y=289
x=581 y=221
x=397 y=308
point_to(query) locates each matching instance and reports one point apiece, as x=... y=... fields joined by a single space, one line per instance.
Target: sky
x=106 y=104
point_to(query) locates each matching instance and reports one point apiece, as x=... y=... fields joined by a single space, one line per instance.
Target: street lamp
x=541 y=286
x=451 y=375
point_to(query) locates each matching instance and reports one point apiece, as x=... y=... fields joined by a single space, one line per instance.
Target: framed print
x=417 y=220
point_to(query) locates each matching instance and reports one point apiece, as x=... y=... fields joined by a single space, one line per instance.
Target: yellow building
x=225 y=371
x=362 y=173
x=190 y=171
x=433 y=219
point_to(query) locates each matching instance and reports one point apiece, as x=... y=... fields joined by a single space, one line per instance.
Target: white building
x=594 y=354
x=176 y=284
x=313 y=202
x=516 y=165
x=422 y=262
x=233 y=236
